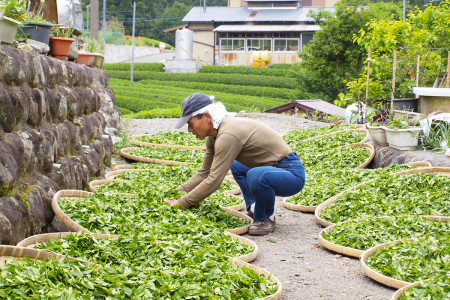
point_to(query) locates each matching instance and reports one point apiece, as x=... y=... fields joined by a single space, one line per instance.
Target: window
x=259 y=44
x=229 y=45
x=306 y=38
x=284 y=45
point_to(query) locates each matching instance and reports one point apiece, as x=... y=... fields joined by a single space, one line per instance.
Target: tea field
x=154 y=93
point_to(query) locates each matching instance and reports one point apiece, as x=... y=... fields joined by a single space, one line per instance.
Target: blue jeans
x=260 y=185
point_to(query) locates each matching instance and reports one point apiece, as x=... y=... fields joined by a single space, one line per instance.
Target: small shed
x=309 y=106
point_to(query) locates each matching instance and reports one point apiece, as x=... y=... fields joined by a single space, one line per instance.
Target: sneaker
x=261 y=228
x=250 y=213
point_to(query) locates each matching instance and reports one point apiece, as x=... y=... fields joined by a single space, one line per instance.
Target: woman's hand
x=171 y=202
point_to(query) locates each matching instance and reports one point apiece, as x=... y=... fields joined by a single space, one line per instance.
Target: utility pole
x=94 y=19
x=104 y=22
x=132 y=44
x=404 y=10
x=88 y=7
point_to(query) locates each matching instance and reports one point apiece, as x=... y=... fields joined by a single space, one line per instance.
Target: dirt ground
x=292 y=252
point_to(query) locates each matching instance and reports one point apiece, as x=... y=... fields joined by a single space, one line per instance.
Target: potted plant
x=12 y=12
x=98 y=48
x=85 y=53
x=375 y=126
x=402 y=136
x=35 y=27
x=60 y=41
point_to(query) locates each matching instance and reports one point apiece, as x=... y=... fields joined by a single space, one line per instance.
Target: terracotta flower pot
x=59 y=47
x=86 y=58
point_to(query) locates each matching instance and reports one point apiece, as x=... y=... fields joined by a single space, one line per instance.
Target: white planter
x=403 y=139
x=378 y=135
x=8 y=29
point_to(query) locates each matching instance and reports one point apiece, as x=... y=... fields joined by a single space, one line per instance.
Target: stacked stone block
x=52 y=136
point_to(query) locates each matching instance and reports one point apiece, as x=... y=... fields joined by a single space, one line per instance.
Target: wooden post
x=448 y=71
x=417 y=72
x=394 y=70
x=359 y=97
x=367 y=86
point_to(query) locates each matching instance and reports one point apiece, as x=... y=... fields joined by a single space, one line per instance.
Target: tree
x=425 y=33
x=332 y=57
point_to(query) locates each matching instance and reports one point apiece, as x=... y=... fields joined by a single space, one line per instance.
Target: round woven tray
x=338 y=248
x=246 y=257
x=112 y=174
x=298 y=207
x=368 y=147
x=239 y=206
x=419 y=164
x=61 y=215
x=123 y=152
x=238 y=230
x=361 y=130
x=445 y=171
x=146 y=144
x=376 y=275
x=21 y=252
x=401 y=292
x=259 y=271
x=311 y=209
x=34 y=240
x=94 y=184
x=119 y=167
x=352 y=252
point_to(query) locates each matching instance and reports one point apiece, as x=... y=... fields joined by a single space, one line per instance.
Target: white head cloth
x=217 y=112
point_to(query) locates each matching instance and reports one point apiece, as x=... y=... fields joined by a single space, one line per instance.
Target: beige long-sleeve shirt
x=249 y=142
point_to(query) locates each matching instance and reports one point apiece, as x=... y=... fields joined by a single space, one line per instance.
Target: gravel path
x=292 y=252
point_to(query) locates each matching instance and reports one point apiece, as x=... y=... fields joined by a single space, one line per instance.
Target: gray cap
x=192 y=103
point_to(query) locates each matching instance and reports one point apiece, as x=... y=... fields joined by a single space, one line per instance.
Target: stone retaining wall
x=55 y=121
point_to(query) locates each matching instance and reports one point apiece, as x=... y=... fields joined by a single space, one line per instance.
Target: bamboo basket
x=369 y=159
x=445 y=171
x=298 y=207
x=112 y=174
x=338 y=248
x=146 y=144
x=94 y=184
x=419 y=164
x=246 y=257
x=378 y=276
x=233 y=192
x=239 y=206
x=361 y=130
x=259 y=271
x=123 y=152
x=61 y=215
x=352 y=252
x=311 y=209
x=238 y=230
x=34 y=240
x=401 y=292
x=120 y=167
x=21 y=252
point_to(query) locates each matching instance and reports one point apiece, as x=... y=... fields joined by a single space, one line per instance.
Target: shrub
x=237 y=79
x=244 y=70
x=154 y=67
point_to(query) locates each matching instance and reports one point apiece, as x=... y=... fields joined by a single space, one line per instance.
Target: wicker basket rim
x=378 y=276
x=327 y=202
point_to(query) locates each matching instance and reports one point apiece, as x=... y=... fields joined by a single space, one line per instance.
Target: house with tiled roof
x=229 y=35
